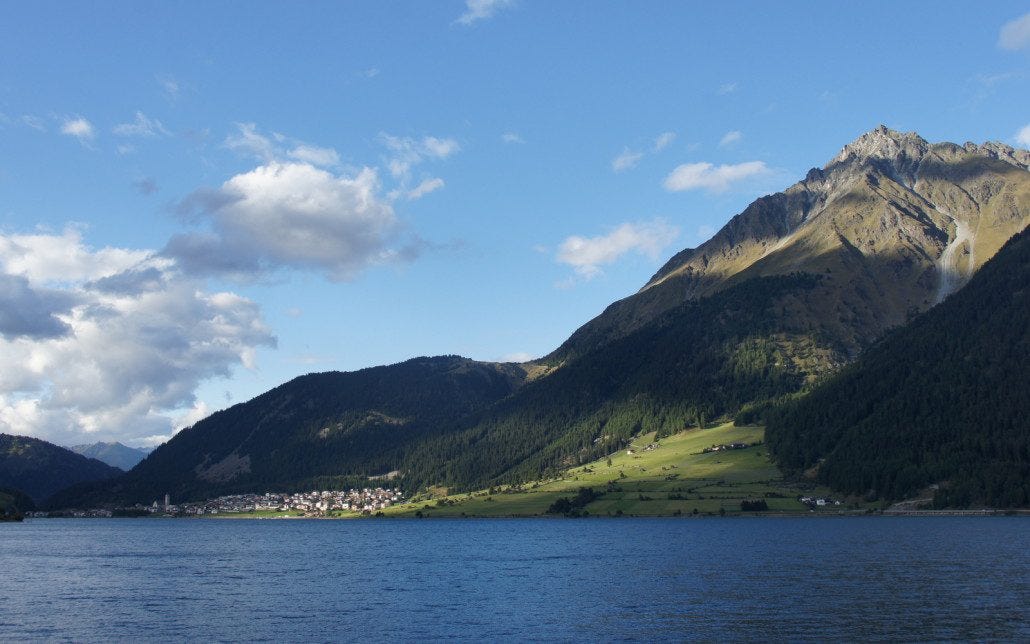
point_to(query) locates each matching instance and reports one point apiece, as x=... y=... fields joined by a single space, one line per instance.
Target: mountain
x=893 y=222
x=788 y=292
x=314 y=431
x=114 y=454
x=39 y=468
x=944 y=400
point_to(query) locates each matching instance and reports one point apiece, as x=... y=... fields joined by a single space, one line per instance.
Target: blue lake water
x=498 y=580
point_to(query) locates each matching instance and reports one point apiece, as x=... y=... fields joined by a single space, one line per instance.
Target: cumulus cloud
x=288 y=215
x=627 y=160
x=663 y=141
x=113 y=345
x=142 y=126
x=476 y=10
x=80 y=128
x=424 y=188
x=731 y=138
x=1015 y=34
x=26 y=312
x=586 y=255
x=511 y=137
x=1023 y=136
x=693 y=176
x=726 y=88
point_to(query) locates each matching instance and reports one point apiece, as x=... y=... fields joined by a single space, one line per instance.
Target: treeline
x=944 y=400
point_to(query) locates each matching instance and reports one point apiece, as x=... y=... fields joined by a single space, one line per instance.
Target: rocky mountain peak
x=995 y=150
x=885 y=144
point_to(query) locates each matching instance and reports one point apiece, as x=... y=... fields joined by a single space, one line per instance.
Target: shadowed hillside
x=944 y=400
x=39 y=468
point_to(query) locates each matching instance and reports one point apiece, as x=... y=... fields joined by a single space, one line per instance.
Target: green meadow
x=669 y=477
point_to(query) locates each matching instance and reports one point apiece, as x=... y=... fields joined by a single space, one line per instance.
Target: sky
x=200 y=201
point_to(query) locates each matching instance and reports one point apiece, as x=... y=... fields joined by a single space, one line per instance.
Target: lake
x=496 y=580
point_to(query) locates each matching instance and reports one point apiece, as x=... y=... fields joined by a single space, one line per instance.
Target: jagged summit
x=893 y=223
x=883 y=143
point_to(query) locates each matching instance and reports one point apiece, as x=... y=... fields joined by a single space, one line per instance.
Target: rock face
x=893 y=223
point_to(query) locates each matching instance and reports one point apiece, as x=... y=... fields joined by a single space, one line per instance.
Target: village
x=314 y=503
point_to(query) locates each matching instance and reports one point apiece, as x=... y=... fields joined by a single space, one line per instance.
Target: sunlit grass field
x=675 y=478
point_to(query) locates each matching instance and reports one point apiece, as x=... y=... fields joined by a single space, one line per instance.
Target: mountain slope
x=792 y=288
x=702 y=360
x=39 y=469
x=313 y=430
x=943 y=400
x=114 y=454
x=894 y=223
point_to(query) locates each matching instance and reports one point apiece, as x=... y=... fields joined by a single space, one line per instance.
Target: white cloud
x=726 y=88
x=511 y=137
x=692 y=176
x=407 y=152
x=663 y=141
x=588 y=254
x=424 y=188
x=1023 y=136
x=440 y=148
x=1015 y=34
x=627 y=160
x=142 y=126
x=44 y=258
x=131 y=343
x=371 y=72
x=704 y=232
x=476 y=10
x=288 y=215
x=78 y=127
x=247 y=140
x=314 y=155
x=730 y=138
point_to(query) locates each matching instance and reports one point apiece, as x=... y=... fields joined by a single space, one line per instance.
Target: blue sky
x=199 y=201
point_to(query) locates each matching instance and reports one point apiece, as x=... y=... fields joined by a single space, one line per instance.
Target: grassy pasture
x=641 y=483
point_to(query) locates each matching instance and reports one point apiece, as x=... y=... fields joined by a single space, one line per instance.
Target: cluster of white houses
x=315 y=502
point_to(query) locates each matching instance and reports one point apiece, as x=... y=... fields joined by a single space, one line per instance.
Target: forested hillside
x=944 y=400
x=318 y=430
x=700 y=361
x=39 y=468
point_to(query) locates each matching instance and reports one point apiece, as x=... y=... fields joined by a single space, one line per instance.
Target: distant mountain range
x=798 y=285
x=39 y=469
x=114 y=454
